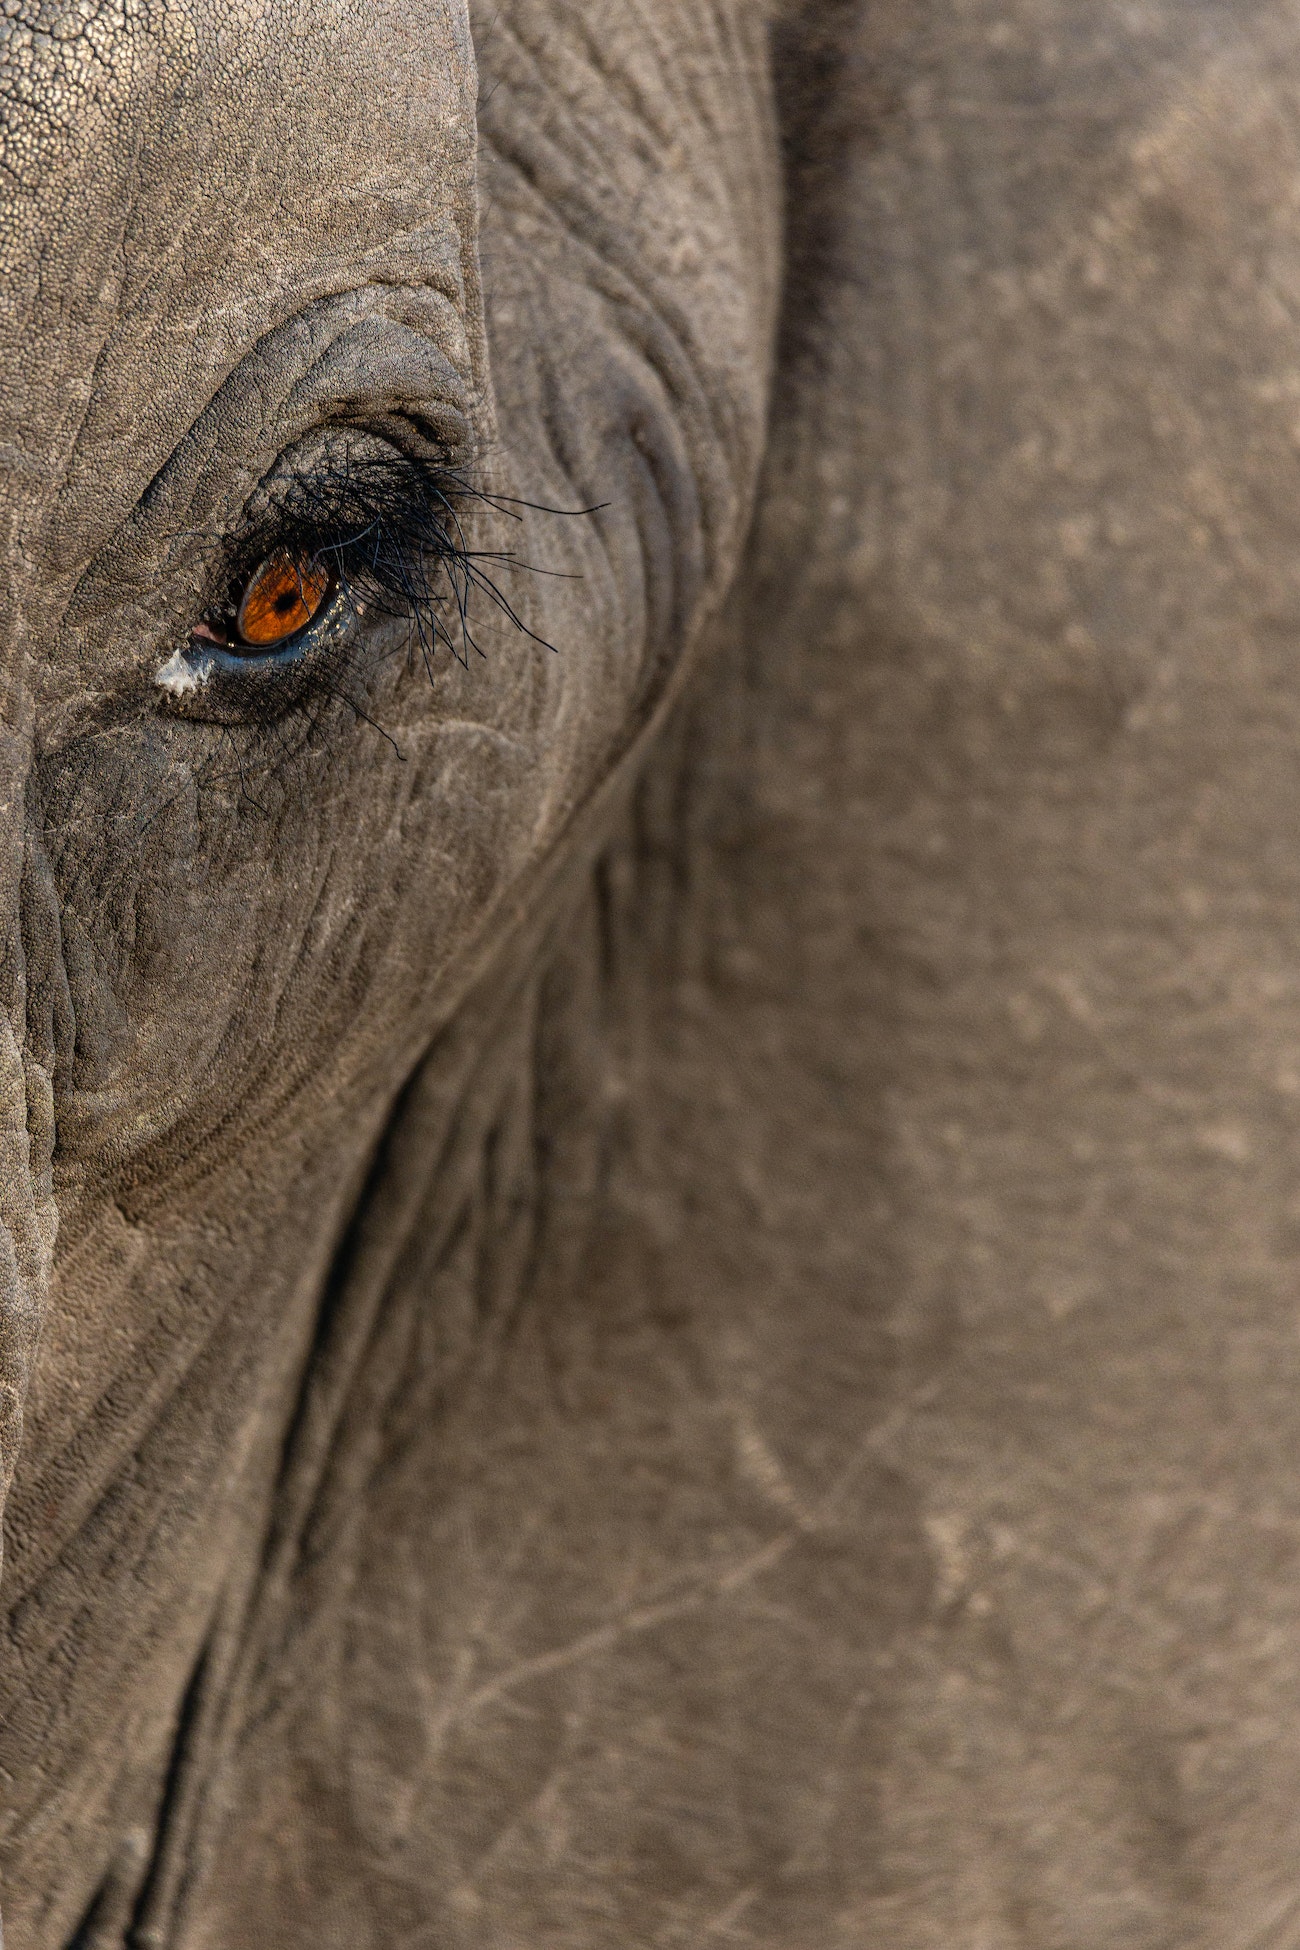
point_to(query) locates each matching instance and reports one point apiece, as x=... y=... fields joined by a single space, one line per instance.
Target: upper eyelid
x=263 y=525
x=361 y=357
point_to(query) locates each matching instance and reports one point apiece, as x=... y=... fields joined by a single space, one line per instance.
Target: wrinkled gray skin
x=667 y=1315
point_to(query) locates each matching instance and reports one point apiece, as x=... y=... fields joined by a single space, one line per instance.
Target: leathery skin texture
x=648 y=1287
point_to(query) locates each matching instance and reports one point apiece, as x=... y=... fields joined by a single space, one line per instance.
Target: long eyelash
x=390 y=528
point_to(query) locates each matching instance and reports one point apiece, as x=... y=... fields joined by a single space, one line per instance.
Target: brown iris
x=280 y=598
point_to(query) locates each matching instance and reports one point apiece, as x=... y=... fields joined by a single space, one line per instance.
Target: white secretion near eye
x=181 y=674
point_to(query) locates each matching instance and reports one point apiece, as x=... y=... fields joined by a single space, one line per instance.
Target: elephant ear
x=1003 y=921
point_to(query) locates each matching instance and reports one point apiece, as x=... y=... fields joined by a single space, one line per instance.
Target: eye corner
x=182 y=675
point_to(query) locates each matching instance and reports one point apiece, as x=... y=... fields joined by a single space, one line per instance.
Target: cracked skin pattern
x=673 y=1312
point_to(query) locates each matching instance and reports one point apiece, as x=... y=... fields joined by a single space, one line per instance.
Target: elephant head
x=384 y=392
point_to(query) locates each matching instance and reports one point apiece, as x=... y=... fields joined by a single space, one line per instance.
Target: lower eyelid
x=206 y=665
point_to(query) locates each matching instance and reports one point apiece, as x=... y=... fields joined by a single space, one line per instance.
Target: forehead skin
x=180 y=179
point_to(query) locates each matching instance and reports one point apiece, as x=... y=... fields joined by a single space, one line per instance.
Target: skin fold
x=647 y=1286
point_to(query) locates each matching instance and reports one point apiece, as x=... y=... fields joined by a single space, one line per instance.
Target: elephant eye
x=360 y=531
x=280 y=598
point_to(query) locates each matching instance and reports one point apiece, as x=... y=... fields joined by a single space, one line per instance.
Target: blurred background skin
x=1020 y=649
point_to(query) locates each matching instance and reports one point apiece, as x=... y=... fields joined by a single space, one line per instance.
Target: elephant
x=650 y=857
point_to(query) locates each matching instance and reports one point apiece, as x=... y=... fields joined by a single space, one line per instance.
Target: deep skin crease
x=659 y=1308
